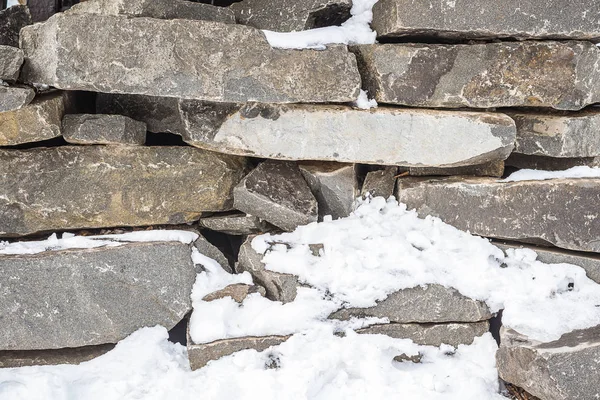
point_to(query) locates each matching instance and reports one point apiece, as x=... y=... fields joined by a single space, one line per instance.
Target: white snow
x=356 y=30
x=364 y=102
x=11 y=3
x=538 y=175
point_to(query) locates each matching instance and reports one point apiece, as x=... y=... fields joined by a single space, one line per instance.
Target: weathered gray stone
x=11 y=21
x=40 y=120
x=526 y=161
x=430 y=304
x=276 y=192
x=380 y=183
x=74 y=187
x=41 y=10
x=199 y=60
x=162 y=9
x=292 y=15
x=564 y=135
x=11 y=59
x=565 y=369
x=27 y=358
x=15 y=97
x=103 y=129
x=589 y=262
x=335 y=186
x=238 y=292
x=279 y=287
x=562 y=212
x=407 y=137
x=76 y=298
x=494 y=168
x=484 y=19
x=560 y=75
x=239 y=224
x=209 y=250
x=452 y=334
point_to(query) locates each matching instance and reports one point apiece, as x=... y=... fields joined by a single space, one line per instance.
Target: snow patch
x=540 y=175
x=363 y=101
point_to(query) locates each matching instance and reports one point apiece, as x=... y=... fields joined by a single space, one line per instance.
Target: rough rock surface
x=11 y=59
x=14 y=97
x=74 y=187
x=526 y=161
x=334 y=185
x=181 y=58
x=431 y=304
x=553 y=19
x=558 y=135
x=565 y=369
x=41 y=10
x=76 y=298
x=277 y=193
x=39 y=120
x=162 y=9
x=431 y=334
x=12 y=20
x=238 y=224
x=292 y=15
x=211 y=251
x=494 y=168
x=380 y=183
x=560 y=75
x=407 y=137
x=279 y=287
x=237 y=292
x=528 y=211
x=103 y=129
x=27 y=358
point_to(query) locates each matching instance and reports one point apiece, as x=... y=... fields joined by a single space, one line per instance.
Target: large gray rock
x=11 y=21
x=163 y=9
x=15 y=97
x=562 y=212
x=380 y=183
x=291 y=15
x=74 y=187
x=74 y=356
x=103 y=129
x=430 y=304
x=484 y=19
x=389 y=136
x=74 y=298
x=561 y=135
x=526 y=161
x=182 y=58
x=39 y=120
x=279 y=287
x=277 y=193
x=452 y=334
x=565 y=369
x=238 y=224
x=560 y=75
x=11 y=60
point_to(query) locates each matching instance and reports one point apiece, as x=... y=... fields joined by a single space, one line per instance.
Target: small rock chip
x=12 y=20
x=209 y=250
x=238 y=292
x=237 y=224
x=103 y=129
x=15 y=97
x=380 y=183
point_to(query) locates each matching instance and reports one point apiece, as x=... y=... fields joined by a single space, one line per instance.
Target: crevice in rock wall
x=164 y=139
x=56 y=142
x=434 y=37
x=228 y=244
x=495 y=325
x=220 y=3
x=179 y=332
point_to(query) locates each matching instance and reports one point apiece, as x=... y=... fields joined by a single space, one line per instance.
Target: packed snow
x=539 y=175
x=364 y=102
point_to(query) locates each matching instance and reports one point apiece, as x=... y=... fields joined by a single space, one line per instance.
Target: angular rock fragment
x=12 y=20
x=239 y=224
x=406 y=137
x=237 y=292
x=525 y=161
x=162 y=9
x=11 y=59
x=292 y=15
x=380 y=183
x=430 y=304
x=74 y=356
x=560 y=75
x=39 y=120
x=452 y=334
x=561 y=212
x=15 y=97
x=187 y=59
x=335 y=186
x=565 y=369
x=279 y=287
x=276 y=192
x=494 y=168
x=41 y=10
x=492 y=20
x=209 y=250
x=83 y=297
x=103 y=129
x=74 y=187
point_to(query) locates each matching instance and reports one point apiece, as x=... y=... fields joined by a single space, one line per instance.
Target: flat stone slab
x=388 y=136
x=37 y=121
x=565 y=369
x=453 y=334
x=237 y=224
x=199 y=60
x=380 y=183
x=291 y=15
x=430 y=304
x=74 y=298
x=11 y=59
x=526 y=161
x=560 y=75
x=552 y=19
x=73 y=356
x=277 y=193
x=15 y=97
x=494 y=168
x=560 y=212
x=103 y=129
x=76 y=187
x=12 y=20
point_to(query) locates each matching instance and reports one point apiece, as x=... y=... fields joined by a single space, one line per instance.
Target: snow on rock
x=364 y=102
x=539 y=175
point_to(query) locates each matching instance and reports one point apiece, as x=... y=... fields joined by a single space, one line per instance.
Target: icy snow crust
x=540 y=175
